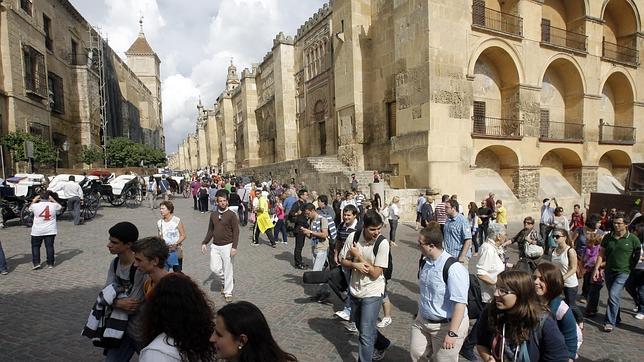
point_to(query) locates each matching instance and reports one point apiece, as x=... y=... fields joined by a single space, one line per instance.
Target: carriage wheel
x=26 y=216
x=133 y=197
x=90 y=207
x=117 y=200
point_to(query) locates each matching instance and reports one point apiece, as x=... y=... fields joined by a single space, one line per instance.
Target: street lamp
x=65 y=148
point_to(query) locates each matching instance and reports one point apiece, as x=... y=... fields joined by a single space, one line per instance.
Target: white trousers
x=222 y=265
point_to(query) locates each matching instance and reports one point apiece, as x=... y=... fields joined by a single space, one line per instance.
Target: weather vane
x=140 y=21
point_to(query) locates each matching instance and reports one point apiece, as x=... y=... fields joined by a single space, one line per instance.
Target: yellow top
x=502 y=215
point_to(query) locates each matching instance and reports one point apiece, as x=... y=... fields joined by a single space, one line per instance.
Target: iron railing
x=622 y=135
x=496 y=20
x=497 y=127
x=562 y=37
x=619 y=53
x=561 y=131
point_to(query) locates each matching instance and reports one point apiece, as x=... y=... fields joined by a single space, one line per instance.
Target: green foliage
x=44 y=151
x=122 y=152
x=91 y=154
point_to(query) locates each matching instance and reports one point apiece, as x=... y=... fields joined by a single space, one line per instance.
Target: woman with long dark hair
x=516 y=326
x=242 y=334
x=565 y=257
x=177 y=322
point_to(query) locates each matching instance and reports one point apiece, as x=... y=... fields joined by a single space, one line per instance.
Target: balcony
x=489 y=19
x=616 y=135
x=501 y=128
x=561 y=132
x=561 y=38
x=620 y=53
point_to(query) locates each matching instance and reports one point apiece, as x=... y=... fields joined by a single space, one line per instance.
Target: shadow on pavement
x=411 y=286
x=404 y=303
x=67 y=254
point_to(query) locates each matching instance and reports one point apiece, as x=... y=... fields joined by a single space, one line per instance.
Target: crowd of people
x=523 y=311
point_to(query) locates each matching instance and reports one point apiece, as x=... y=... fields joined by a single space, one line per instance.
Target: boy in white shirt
x=43 y=228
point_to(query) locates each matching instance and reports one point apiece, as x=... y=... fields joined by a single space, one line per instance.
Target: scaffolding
x=96 y=61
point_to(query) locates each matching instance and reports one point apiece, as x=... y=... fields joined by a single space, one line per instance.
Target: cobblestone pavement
x=42 y=312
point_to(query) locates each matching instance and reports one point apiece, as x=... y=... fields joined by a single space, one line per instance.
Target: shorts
x=419 y=216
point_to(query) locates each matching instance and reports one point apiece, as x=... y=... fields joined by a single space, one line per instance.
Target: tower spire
x=140 y=22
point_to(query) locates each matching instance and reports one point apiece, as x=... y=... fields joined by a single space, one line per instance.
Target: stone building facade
x=50 y=84
x=523 y=98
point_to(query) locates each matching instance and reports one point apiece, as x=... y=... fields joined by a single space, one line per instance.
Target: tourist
x=296 y=214
x=490 y=202
x=549 y=284
x=336 y=208
x=473 y=220
x=212 y=199
x=577 y=218
x=264 y=224
x=604 y=219
x=457 y=235
x=164 y=187
x=323 y=207
x=439 y=212
x=486 y=215
x=394 y=216
x=360 y=198
x=123 y=273
x=318 y=232
x=635 y=283
x=178 y=322
x=354 y=182
x=348 y=226
x=172 y=231
x=546 y=224
x=441 y=324
x=581 y=235
x=150 y=255
x=234 y=201
x=44 y=228
x=528 y=240
x=242 y=334
x=377 y=203
x=427 y=211
x=223 y=232
x=419 y=206
x=349 y=199
x=73 y=193
x=203 y=197
x=621 y=251
x=501 y=214
x=367 y=284
x=376 y=177
x=565 y=257
x=243 y=193
x=591 y=287
x=151 y=193
x=517 y=326
x=280 y=226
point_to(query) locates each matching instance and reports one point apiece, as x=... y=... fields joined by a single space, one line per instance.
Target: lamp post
x=65 y=148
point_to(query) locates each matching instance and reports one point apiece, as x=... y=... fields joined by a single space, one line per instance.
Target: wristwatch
x=452 y=334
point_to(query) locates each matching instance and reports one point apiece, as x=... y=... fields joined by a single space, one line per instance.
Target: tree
x=122 y=152
x=44 y=152
x=90 y=155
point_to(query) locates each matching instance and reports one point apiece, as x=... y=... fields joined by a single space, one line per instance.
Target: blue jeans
x=634 y=286
x=124 y=352
x=36 y=243
x=364 y=312
x=614 y=283
x=280 y=227
x=3 y=260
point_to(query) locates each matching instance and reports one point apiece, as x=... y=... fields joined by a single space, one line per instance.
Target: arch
x=507 y=158
x=559 y=57
x=617 y=158
x=565 y=14
x=612 y=171
x=631 y=4
x=561 y=171
x=569 y=157
x=626 y=74
x=503 y=45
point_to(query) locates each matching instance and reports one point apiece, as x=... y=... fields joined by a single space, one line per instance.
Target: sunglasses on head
x=557 y=236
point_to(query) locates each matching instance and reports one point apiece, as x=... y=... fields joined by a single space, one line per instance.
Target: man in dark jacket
x=299 y=219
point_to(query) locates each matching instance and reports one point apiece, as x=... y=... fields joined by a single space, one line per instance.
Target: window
x=544 y=117
x=56 y=95
x=479 y=117
x=35 y=79
x=26 y=6
x=545 y=30
x=74 y=53
x=391 y=119
x=46 y=25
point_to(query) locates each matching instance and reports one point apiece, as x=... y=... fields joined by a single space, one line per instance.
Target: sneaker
x=351 y=327
x=639 y=316
x=342 y=314
x=254 y=244
x=5 y=272
x=582 y=300
x=36 y=267
x=384 y=322
x=50 y=266
x=379 y=354
x=636 y=309
x=608 y=328
x=228 y=298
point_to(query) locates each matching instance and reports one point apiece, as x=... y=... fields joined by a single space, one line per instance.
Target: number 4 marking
x=45 y=214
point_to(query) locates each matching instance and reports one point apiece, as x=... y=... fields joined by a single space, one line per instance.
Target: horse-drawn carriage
x=124 y=189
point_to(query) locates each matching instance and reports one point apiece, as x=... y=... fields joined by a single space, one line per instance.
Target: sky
x=195 y=41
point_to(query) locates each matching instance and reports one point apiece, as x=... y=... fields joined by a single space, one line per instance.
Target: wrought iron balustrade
x=561 y=131
x=496 y=20
x=622 y=135
x=489 y=127
x=620 y=53
x=562 y=37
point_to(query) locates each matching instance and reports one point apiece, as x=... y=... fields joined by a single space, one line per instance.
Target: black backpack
x=390 y=268
x=203 y=193
x=475 y=304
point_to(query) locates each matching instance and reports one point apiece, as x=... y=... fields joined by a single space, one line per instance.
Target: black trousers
x=203 y=204
x=269 y=234
x=299 y=245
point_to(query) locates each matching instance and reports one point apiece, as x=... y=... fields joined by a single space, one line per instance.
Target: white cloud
x=195 y=41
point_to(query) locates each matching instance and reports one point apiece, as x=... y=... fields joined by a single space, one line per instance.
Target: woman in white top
x=565 y=257
x=178 y=320
x=394 y=215
x=491 y=261
x=172 y=231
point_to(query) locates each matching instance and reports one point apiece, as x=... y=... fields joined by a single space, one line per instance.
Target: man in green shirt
x=618 y=250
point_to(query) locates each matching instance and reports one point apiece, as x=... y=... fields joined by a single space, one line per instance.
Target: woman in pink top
x=195 y=185
x=280 y=226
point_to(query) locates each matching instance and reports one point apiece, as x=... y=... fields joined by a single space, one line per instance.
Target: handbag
x=533 y=250
x=251 y=217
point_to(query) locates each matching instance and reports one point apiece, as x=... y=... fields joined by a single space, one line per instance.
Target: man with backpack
x=442 y=307
x=164 y=187
x=368 y=259
x=296 y=215
x=320 y=232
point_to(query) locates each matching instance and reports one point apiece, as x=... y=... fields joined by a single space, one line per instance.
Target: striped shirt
x=359 y=199
x=439 y=211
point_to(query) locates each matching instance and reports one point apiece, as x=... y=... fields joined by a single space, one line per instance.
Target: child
x=590 y=289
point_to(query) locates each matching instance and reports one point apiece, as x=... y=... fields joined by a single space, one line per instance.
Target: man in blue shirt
x=457 y=233
x=442 y=307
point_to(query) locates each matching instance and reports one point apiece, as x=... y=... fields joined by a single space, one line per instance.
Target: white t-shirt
x=362 y=286
x=393 y=212
x=562 y=261
x=44 y=218
x=491 y=264
x=169 y=230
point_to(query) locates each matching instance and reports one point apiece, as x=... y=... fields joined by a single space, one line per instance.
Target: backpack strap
x=115 y=264
x=448 y=263
x=379 y=240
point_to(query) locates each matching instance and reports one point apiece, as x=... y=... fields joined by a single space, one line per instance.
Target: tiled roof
x=140 y=46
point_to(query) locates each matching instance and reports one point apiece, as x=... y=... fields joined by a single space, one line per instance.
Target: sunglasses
x=558 y=236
